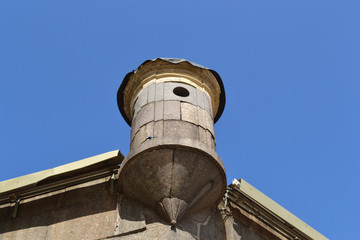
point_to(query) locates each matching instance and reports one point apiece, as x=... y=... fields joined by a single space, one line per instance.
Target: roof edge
x=31 y=180
x=274 y=208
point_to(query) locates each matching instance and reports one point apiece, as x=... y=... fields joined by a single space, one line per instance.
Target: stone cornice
x=186 y=72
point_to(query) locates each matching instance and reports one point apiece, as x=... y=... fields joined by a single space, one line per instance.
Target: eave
x=60 y=177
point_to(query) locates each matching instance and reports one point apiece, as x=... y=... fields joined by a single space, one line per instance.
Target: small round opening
x=181 y=92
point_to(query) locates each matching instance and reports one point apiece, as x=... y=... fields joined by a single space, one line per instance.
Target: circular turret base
x=174 y=178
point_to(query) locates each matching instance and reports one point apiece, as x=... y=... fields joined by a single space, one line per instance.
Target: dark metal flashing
x=120 y=93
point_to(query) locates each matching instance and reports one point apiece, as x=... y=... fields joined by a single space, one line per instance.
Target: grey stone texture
x=151 y=93
x=159 y=91
x=87 y=211
x=171 y=110
x=189 y=113
x=159 y=110
x=145 y=115
x=181 y=130
x=170 y=95
x=240 y=232
x=163 y=91
x=157 y=102
x=141 y=222
x=130 y=217
x=173 y=172
x=179 y=120
x=141 y=100
x=159 y=113
x=172 y=134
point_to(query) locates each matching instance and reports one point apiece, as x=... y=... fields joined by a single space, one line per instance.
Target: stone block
x=39 y=205
x=132 y=134
x=151 y=93
x=242 y=232
x=159 y=232
x=37 y=231
x=205 y=120
x=139 y=138
x=209 y=123
x=203 y=137
x=200 y=98
x=71 y=224
x=142 y=97
x=158 y=129
x=202 y=118
x=207 y=104
x=171 y=110
x=85 y=213
x=159 y=91
x=92 y=193
x=213 y=228
x=159 y=111
x=136 y=108
x=210 y=140
x=149 y=129
x=145 y=115
x=181 y=130
x=170 y=95
x=141 y=100
x=130 y=216
x=189 y=113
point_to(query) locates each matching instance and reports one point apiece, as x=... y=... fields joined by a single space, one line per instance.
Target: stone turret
x=170 y=184
x=171 y=106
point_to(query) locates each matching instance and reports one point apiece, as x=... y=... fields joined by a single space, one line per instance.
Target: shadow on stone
x=64 y=206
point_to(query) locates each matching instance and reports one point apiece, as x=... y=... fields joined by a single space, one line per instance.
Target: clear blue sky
x=291 y=71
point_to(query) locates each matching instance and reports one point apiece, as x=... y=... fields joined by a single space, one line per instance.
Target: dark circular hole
x=180 y=91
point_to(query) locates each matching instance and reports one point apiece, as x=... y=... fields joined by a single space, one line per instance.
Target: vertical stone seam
x=199 y=224
x=197 y=109
x=47 y=228
x=181 y=111
x=155 y=103
x=119 y=198
x=163 y=112
x=198 y=231
x=172 y=172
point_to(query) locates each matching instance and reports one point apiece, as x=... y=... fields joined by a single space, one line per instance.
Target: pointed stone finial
x=172 y=209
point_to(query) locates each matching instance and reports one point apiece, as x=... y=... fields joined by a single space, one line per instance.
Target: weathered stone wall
x=172 y=165
x=161 y=112
x=243 y=224
x=90 y=211
x=86 y=211
x=135 y=221
x=235 y=230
